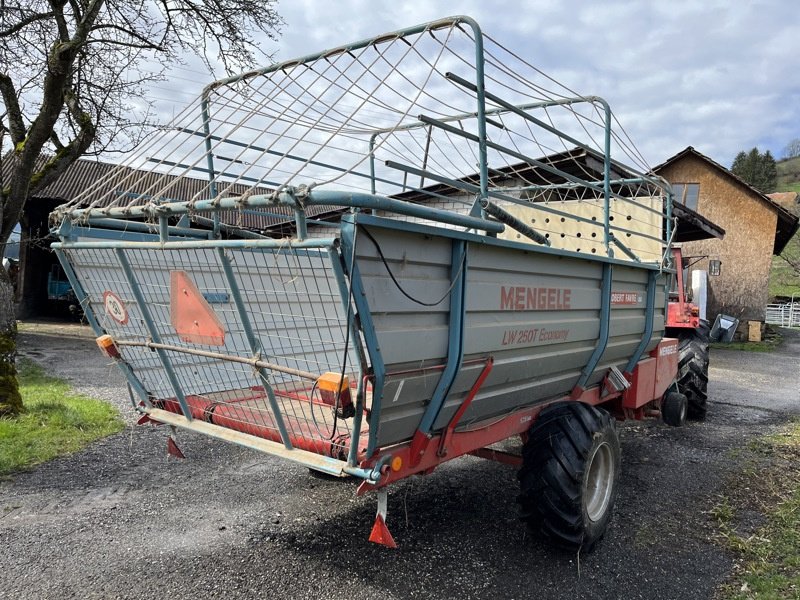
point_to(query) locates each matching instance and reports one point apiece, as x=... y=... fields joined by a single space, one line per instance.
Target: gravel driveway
x=122 y=520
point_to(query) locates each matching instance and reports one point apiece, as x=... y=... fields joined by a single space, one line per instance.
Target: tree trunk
x=10 y=399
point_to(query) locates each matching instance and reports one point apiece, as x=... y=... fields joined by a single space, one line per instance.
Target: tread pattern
x=693 y=368
x=551 y=479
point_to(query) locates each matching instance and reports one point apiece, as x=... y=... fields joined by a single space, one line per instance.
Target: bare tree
x=72 y=80
x=792 y=149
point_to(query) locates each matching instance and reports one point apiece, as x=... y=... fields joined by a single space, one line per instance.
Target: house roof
x=787 y=224
x=578 y=162
x=84 y=173
x=788 y=200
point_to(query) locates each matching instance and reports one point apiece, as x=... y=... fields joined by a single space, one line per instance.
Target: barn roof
x=787 y=222
x=83 y=173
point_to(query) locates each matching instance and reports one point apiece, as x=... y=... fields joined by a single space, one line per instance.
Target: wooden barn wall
x=742 y=288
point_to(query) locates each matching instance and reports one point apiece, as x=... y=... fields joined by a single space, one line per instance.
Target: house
x=757 y=227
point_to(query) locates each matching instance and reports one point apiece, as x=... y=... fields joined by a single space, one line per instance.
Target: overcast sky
x=719 y=76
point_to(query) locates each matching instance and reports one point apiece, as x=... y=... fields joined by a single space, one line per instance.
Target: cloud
x=719 y=76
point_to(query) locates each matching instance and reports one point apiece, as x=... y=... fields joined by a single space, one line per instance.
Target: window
x=687 y=194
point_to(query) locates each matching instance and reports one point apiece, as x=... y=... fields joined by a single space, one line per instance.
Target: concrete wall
x=742 y=288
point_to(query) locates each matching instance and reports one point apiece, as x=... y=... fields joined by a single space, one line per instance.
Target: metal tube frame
x=153 y=330
x=648 y=323
x=605 y=322
x=255 y=345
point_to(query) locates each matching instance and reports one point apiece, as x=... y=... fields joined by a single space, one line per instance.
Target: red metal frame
x=681 y=313
x=640 y=400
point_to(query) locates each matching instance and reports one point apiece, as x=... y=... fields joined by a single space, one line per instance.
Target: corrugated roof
x=787 y=222
x=84 y=173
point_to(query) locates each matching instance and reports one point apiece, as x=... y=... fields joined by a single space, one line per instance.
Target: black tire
x=693 y=367
x=571 y=465
x=674 y=409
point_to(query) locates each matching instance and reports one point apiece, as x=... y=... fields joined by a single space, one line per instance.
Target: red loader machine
x=306 y=262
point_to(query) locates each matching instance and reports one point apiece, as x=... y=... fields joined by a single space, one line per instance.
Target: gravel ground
x=122 y=520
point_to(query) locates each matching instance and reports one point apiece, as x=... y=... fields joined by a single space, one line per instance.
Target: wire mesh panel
x=437 y=114
x=292 y=307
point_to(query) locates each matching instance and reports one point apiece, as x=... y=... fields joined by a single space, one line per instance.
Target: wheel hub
x=599 y=482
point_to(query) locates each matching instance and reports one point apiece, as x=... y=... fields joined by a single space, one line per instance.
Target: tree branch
x=16 y=126
x=24 y=23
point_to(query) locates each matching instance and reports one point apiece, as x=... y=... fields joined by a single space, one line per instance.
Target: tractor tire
x=570 y=469
x=693 y=368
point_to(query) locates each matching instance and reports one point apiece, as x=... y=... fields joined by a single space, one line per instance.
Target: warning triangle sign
x=192 y=317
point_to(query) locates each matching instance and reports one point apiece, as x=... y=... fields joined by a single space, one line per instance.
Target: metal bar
x=649 y=310
x=303 y=457
x=445 y=439
x=425 y=156
x=209 y=157
x=265 y=243
x=355 y=338
x=349 y=234
x=546 y=126
x=140 y=227
x=513 y=222
x=455 y=350
x=169 y=163
x=300 y=224
x=292 y=157
x=480 y=88
x=288 y=64
x=602 y=341
x=519 y=155
x=253 y=362
x=506 y=458
x=625 y=250
x=245 y=233
x=153 y=330
x=469 y=187
x=344 y=292
x=316 y=197
x=256 y=348
x=607 y=176
x=163 y=229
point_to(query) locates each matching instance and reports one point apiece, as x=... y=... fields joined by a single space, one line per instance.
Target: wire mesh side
x=294 y=311
x=397 y=116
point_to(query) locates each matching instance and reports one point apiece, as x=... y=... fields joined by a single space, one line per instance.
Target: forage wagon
x=381 y=257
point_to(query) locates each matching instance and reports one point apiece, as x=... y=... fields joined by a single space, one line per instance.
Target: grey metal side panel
x=539 y=344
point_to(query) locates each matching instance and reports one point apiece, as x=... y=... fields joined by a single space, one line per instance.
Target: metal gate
x=785 y=315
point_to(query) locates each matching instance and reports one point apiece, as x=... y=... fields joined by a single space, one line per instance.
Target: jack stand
x=380 y=532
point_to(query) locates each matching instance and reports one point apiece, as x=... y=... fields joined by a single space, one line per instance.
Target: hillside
x=789 y=175
x=783 y=281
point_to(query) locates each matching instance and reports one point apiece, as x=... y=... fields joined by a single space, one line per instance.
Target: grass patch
x=56 y=421
x=772 y=339
x=769 y=558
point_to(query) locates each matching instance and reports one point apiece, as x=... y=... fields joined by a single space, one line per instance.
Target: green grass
x=772 y=339
x=56 y=421
x=783 y=280
x=770 y=557
x=788 y=187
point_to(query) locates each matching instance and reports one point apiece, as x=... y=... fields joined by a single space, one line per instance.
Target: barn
x=756 y=228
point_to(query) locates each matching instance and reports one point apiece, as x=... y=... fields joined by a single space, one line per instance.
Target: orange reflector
x=380 y=534
x=107 y=345
x=192 y=317
x=397 y=463
x=332 y=382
